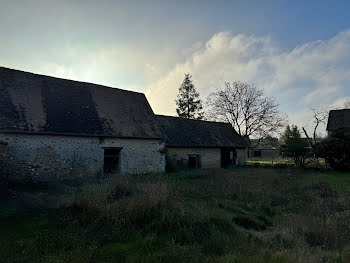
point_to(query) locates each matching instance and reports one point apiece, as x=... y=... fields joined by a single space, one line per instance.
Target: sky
x=296 y=51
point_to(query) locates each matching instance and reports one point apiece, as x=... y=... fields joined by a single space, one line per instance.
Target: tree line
x=245 y=107
x=254 y=115
x=334 y=149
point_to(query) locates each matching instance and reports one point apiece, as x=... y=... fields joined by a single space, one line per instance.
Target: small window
x=257 y=153
x=193 y=161
x=111 y=161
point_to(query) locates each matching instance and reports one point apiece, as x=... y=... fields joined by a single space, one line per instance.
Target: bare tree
x=251 y=113
x=319 y=116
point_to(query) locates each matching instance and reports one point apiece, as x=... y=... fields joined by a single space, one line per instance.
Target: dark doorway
x=228 y=157
x=257 y=153
x=111 y=161
x=193 y=161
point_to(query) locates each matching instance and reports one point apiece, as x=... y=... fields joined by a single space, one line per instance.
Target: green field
x=239 y=215
x=270 y=161
x=311 y=162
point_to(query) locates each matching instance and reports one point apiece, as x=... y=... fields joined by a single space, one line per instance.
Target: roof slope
x=34 y=103
x=195 y=133
x=338 y=119
x=269 y=143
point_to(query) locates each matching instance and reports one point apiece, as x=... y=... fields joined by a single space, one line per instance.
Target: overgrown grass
x=337 y=180
x=239 y=215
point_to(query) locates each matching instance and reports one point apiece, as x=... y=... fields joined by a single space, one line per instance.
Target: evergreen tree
x=290 y=133
x=188 y=103
x=294 y=146
x=286 y=135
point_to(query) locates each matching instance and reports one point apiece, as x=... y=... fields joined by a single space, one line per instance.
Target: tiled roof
x=338 y=119
x=33 y=103
x=196 y=133
x=268 y=143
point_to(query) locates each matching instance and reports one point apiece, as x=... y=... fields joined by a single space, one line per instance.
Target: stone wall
x=137 y=155
x=241 y=156
x=50 y=151
x=210 y=157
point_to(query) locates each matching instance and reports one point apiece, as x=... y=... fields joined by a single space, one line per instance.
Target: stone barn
x=50 y=122
x=203 y=144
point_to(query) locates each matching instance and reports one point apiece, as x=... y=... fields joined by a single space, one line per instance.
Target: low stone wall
x=51 y=151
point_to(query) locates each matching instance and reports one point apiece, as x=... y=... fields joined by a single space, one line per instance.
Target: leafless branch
x=250 y=112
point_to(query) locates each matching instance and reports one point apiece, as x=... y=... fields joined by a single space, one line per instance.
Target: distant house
x=202 y=144
x=338 y=119
x=50 y=122
x=267 y=148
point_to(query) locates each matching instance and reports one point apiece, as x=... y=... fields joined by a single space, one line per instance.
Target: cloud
x=310 y=75
x=196 y=46
x=115 y=66
x=341 y=103
x=57 y=70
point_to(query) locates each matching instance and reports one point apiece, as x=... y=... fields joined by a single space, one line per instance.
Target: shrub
x=336 y=149
x=298 y=149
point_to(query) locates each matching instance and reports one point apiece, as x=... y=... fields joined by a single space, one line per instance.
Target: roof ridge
x=70 y=80
x=345 y=109
x=176 y=117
